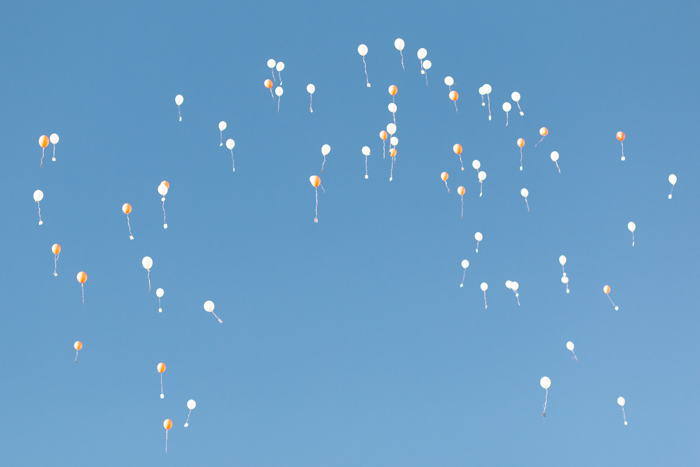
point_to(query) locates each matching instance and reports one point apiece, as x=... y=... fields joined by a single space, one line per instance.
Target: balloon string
x=384 y=151
x=621 y=144
x=448 y=188
x=76 y=357
x=546 y=393
x=401 y=52
x=528 y=205
x=39 y=204
x=233 y=163
x=463 y=276
x=366 y=75
x=41 y=164
x=216 y=317
x=82 y=286
x=221 y=137
x=311 y=103
x=278 y=104
x=366 y=174
x=158 y=302
x=562 y=270
x=273 y=74
x=129 y=224
x=178 y=113
x=485 y=305
x=457 y=110
x=426 y=78
x=567 y=290
x=574 y=355
x=670 y=195
x=279 y=73
x=391 y=174
x=462 y=196
x=188 y=418
x=55 y=265
x=488 y=97
x=506 y=118
x=54 y=152
x=521 y=158
x=316 y=212
x=613 y=303
x=557 y=166
x=394 y=113
x=460 y=162
x=422 y=70
x=477 y=246
x=161 y=386
x=521 y=110
x=324 y=163
x=632 y=238
x=166 y=441
x=164 y=223
x=481 y=188
x=482 y=101
x=517 y=296
x=272 y=95
x=149 y=280
x=624 y=416
x=539 y=141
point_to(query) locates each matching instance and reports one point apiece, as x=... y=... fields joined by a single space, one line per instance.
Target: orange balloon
x=606 y=289
x=620 y=136
x=393 y=90
x=544 y=131
x=268 y=84
x=161 y=367
x=457 y=148
x=392 y=152
x=56 y=248
x=43 y=141
x=82 y=277
x=460 y=190
x=78 y=345
x=521 y=142
x=167 y=424
x=167 y=185
x=454 y=95
x=126 y=208
x=444 y=176
x=315 y=181
x=383 y=135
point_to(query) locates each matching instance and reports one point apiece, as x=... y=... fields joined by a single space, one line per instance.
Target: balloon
x=631 y=226
x=167 y=185
x=54 y=141
x=570 y=345
x=554 y=156
x=476 y=164
x=484 y=286
x=487 y=88
x=521 y=142
x=147 y=262
x=482 y=176
x=482 y=92
x=545 y=382
x=268 y=83
x=562 y=260
x=310 y=88
x=465 y=263
x=620 y=136
x=54 y=138
x=160 y=293
x=365 y=150
x=391 y=128
x=38 y=195
x=427 y=64
x=393 y=90
x=191 y=404
x=168 y=424
x=461 y=191
x=565 y=280
x=179 y=99
x=279 y=91
x=383 y=135
x=56 y=248
x=444 y=176
x=509 y=284
x=621 y=401
x=392 y=107
x=325 y=149
x=315 y=181
x=161 y=367
x=478 y=236
x=271 y=63
x=514 y=285
x=82 y=277
x=43 y=141
x=222 y=126
x=449 y=81
x=394 y=141
x=454 y=95
x=399 y=44
x=457 y=148
x=422 y=53
x=672 y=179
x=280 y=66
x=209 y=306
x=524 y=193
x=78 y=345
x=126 y=208
x=506 y=107
x=362 y=50
x=606 y=289
x=392 y=152
x=515 y=96
x=230 y=143
x=162 y=190
x=544 y=131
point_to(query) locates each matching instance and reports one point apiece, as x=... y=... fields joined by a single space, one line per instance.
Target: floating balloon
x=325 y=150
x=271 y=65
x=521 y=143
x=454 y=95
x=365 y=151
x=391 y=129
x=672 y=180
x=161 y=369
x=555 y=158
x=484 y=288
x=394 y=141
x=54 y=140
x=268 y=84
x=43 y=142
x=524 y=193
x=606 y=289
x=222 y=127
x=280 y=67
x=159 y=294
x=444 y=176
x=482 y=93
x=126 y=209
x=426 y=66
x=564 y=279
x=191 y=404
x=77 y=346
x=514 y=287
x=167 y=424
x=457 y=148
x=422 y=53
x=56 y=249
x=392 y=153
x=82 y=277
x=278 y=92
x=383 y=136
x=516 y=98
x=399 y=44
x=316 y=182
x=482 y=177
x=632 y=227
x=38 y=196
x=479 y=237
x=570 y=346
x=487 y=91
x=392 y=91
x=544 y=132
x=311 y=89
x=163 y=190
x=465 y=265
x=392 y=109
x=621 y=137
x=179 y=100
x=147 y=264
x=230 y=144
x=209 y=308
x=461 y=191
x=362 y=50
x=545 y=383
x=449 y=82
x=621 y=403
x=477 y=165
x=506 y=109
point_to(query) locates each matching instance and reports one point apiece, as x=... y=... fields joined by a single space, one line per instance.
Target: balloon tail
x=366 y=75
x=463 y=276
x=161 y=386
x=460 y=162
x=485 y=305
x=323 y=164
x=53 y=158
x=383 y=149
x=488 y=97
x=521 y=110
x=528 y=206
x=216 y=317
x=278 y=104
x=456 y=110
x=41 y=163
x=221 y=138
x=76 y=357
x=546 y=393
x=613 y=303
x=316 y=211
x=55 y=265
x=670 y=195
x=391 y=174
x=394 y=113
x=273 y=75
x=482 y=101
x=178 y=113
x=39 y=204
x=279 y=73
x=632 y=238
x=539 y=141
x=165 y=225
x=517 y=296
x=166 y=441
x=366 y=173
x=448 y=188
x=557 y=166
x=401 y=52
x=621 y=145
x=481 y=188
x=426 y=78
x=567 y=288
x=311 y=104
x=463 y=208
x=574 y=357
x=506 y=118
x=272 y=95
x=160 y=310
x=129 y=224
x=521 y=158
x=624 y=417
x=149 y=280
x=187 y=422
x=82 y=286
x=233 y=163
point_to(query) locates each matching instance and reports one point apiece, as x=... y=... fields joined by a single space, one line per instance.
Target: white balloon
x=310 y=88
x=524 y=192
x=38 y=195
x=621 y=401
x=162 y=190
x=362 y=50
x=545 y=382
x=160 y=293
x=179 y=99
x=570 y=345
x=631 y=226
x=515 y=96
x=481 y=91
x=465 y=263
x=325 y=149
x=365 y=150
x=54 y=139
x=394 y=141
x=487 y=88
x=209 y=306
x=671 y=178
x=476 y=164
x=422 y=53
x=147 y=262
x=514 y=285
x=230 y=143
x=427 y=64
x=392 y=107
x=562 y=260
x=399 y=44
x=554 y=156
x=280 y=66
x=191 y=404
x=564 y=280
x=509 y=284
x=506 y=106
x=279 y=91
x=484 y=286
x=478 y=236
x=482 y=175
x=271 y=63
x=449 y=81
x=222 y=125
x=391 y=128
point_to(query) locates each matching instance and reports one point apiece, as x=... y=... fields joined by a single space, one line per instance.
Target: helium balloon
x=391 y=128
x=311 y=89
x=159 y=294
x=325 y=150
x=570 y=346
x=457 y=148
x=82 y=277
x=271 y=65
x=383 y=136
x=482 y=92
x=163 y=190
x=316 y=182
x=564 y=279
x=54 y=140
x=362 y=50
x=43 y=142
x=426 y=66
x=465 y=265
x=56 y=249
x=38 y=196
x=506 y=109
x=631 y=226
x=178 y=100
x=512 y=285
x=555 y=157
x=365 y=152
x=545 y=383
x=191 y=404
x=268 y=85
x=209 y=308
x=161 y=369
x=454 y=95
x=516 y=98
x=509 y=284
x=278 y=92
x=393 y=90
x=449 y=82
x=524 y=193
x=444 y=176
x=487 y=91
x=482 y=177
x=222 y=127
x=621 y=137
x=280 y=67
x=230 y=144
x=521 y=143
x=392 y=153
x=479 y=237
x=621 y=403
x=392 y=109
x=461 y=192
x=77 y=346
x=394 y=141
x=147 y=264
x=399 y=44
x=606 y=289
x=544 y=132
x=167 y=424
x=484 y=288
x=672 y=180
x=126 y=209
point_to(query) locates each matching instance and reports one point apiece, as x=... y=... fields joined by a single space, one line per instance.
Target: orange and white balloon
x=77 y=346
x=316 y=182
x=383 y=136
x=82 y=277
x=161 y=368
x=454 y=95
x=268 y=84
x=461 y=192
x=167 y=424
x=43 y=142
x=126 y=209
x=543 y=132
x=163 y=190
x=56 y=249
x=444 y=176
x=606 y=289
x=392 y=153
x=621 y=137
x=457 y=148
x=521 y=142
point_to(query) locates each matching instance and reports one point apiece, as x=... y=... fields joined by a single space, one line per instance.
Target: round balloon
x=449 y=81
x=126 y=208
x=38 y=195
x=422 y=53
x=362 y=50
x=392 y=152
x=461 y=191
x=271 y=63
x=482 y=175
x=399 y=44
x=54 y=138
x=383 y=135
x=365 y=150
x=391 y=128
x=454 y=95
x=457 y=148
x=230 y=143
x=161 y=367
x=444 y=176
x=168 y=424
x=78 y=345
x=465 y=263
x=427 y=64
x=179 y=99
x=392 y=107
x=515 y=96
x=631 y=226
x=191 y=404
x=325 y=149
x=394 y=141
x=393 y=90
x=544 y=131
x=506 y=106
x=524 y=193
x=621 y=401
x=162 y=190
x=478 y=236
x=520 y=142
x=209 y=306
x=56 y=248
x=43 y=141
x=606 y=289
x=484 y=286
x=570 y=345
x=514 y=285
x=487 y=88
x=554 y=156
x=222 y=126
x=268 y=83
x=147 y=262
x=620 y=136
x=315 y=180
x=160 y=293
x=279 y=91
x=562 y=260
x=280 y=66
x=672 y=179
x=82 y=277
x=476 y=164
x=545 y=382
x=310 y=88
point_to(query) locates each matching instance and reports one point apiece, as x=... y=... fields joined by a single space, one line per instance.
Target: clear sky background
x=349 y=342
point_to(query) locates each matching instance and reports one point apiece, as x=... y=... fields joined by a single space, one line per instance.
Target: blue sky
x=349 y=342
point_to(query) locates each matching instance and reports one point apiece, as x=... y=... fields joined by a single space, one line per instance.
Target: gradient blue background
x=349 y=342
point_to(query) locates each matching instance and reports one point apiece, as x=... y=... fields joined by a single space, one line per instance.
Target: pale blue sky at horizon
x=349 y=342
